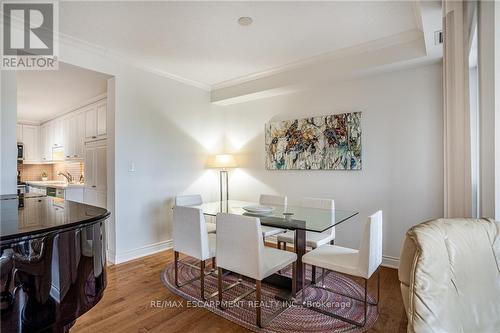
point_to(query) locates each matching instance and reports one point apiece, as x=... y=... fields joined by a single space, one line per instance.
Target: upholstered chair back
x=188 y=200
x=272 y=200
x=239 y=244
x=190 y=232
x=370 y=249
x=450 y=276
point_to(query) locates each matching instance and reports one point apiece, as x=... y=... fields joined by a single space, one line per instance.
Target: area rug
x=296 y=318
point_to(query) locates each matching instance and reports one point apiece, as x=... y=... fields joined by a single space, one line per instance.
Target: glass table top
x=286 y=217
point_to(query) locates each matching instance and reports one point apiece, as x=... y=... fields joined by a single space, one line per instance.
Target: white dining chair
x=359 y=263
x=190 y=237
x=240 y=249
x=194 y=200
x=272 y=200
x=313 y=239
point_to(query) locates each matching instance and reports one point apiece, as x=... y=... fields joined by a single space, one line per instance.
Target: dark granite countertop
x=33 y=215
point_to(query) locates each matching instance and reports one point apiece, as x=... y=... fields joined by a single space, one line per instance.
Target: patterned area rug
x=295 y=318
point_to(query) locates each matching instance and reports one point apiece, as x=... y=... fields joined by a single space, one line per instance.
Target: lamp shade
x=222 y=161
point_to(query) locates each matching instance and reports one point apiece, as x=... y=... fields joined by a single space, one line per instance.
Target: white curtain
x=456 y=135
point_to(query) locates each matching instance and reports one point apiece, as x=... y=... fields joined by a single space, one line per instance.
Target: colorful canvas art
x=320 y=143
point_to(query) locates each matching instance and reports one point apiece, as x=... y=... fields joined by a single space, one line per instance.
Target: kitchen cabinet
x=74 y=194
x=45 y=147
x=57 y=132
x=101 y=118
x=30 y=141
x=95 y=198
x=64 y=137
x=19 y=132
x=95 y=121
x=74 y=135
x=34 y=214
x=95 y=173
x=28 y=135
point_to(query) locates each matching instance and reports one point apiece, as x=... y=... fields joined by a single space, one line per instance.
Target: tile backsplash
x=34 y=171
x=74 y=168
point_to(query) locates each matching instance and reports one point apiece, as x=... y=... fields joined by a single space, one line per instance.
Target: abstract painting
x=319 y=143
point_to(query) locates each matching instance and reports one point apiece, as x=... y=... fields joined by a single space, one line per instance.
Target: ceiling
x=42 y=95
x=202 y=41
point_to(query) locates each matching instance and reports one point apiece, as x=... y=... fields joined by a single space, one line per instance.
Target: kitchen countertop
x=54 y=183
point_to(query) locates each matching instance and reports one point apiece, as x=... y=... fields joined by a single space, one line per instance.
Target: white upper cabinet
x=95 y=121
x=66 y=134
x=57 y=132
x=44 y=144
x=91 y=123
x=74 y=135
x=30 y=141
x=19 y=132
x=79 y=135
x=28 y=135
x=101 y=118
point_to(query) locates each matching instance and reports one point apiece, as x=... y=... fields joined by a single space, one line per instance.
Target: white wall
x=165 y=129
x=402 y=151
x=487 y=117
x=8 y=147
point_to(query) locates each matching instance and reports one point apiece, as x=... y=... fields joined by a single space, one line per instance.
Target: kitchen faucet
x=66 y=175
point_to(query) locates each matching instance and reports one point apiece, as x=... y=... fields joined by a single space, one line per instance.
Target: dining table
x=291 y=217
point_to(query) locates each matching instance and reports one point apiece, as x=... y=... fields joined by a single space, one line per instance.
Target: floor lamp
x=223 y=162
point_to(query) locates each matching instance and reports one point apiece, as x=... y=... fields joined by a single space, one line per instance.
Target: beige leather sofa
x=450 y=276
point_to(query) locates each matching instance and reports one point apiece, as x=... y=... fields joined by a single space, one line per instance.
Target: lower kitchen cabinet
x=95 y=197
x=74 y=194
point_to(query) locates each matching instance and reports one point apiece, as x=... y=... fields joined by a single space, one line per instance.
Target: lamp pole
x=224 y=184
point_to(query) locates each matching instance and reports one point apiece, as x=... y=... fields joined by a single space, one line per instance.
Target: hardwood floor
x=133 y=286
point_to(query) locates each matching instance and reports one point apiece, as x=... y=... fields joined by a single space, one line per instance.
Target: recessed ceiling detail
x=199 y=41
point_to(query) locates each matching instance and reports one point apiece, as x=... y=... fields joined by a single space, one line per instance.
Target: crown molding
x=403 y=37
x=127 y=60
x=86 y=46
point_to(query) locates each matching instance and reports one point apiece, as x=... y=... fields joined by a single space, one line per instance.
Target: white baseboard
x=391 y=262
x=140 y=252
x=110 y=257
x=387 y=261
x=118 y=258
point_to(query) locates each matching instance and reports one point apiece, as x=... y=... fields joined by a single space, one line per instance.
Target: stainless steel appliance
x=20 y=152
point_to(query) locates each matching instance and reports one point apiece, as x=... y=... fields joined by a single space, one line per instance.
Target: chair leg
x=313 y=274
x=202 y=279
x=294 y=279
x=322 y=277
x=366 y=301
x=176 y=268
x=303 y=290
x=258 y=294
x=219 y=285
x=214 y=263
